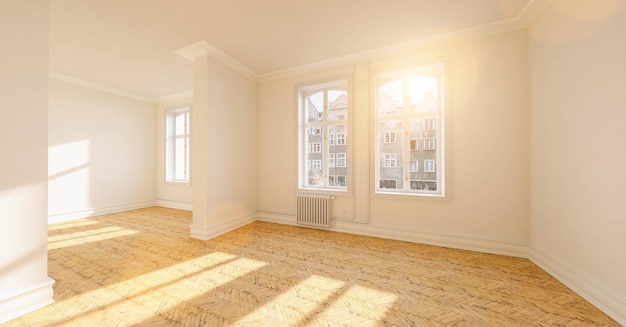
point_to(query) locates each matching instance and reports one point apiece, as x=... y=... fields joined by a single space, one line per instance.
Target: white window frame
x=429 y=124
x=323 y=150
x=341 y=139
x=429 y=144
x=390 y=160
x=171 y=138
x=342 y=160
x=430 y=166
x=317 y=147
x=414 y=166
x=406 y=112
x=390 y=138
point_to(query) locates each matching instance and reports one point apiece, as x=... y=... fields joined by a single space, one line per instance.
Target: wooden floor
x=141 y=268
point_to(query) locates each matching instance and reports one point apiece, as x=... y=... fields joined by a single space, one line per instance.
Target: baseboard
x=92 y=212
x=26 y=301
x=215 y=231
x=502 y=248
x=591 y=290
x=174 y=204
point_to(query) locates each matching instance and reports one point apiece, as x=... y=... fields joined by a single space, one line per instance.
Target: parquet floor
x=141 y=268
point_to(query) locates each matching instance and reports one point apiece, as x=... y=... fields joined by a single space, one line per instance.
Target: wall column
x=24 y=282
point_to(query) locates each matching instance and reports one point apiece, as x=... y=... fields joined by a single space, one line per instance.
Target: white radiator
x=314 y=210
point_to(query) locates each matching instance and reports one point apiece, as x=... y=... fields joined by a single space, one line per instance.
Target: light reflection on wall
x=68 y=177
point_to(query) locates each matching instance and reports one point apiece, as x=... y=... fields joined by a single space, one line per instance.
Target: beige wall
x=578 y=147
x=24 y=284
x=224 y=174
x=487 y=142
x=101 y=152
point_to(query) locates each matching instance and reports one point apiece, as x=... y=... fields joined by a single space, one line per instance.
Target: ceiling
x=130 y=45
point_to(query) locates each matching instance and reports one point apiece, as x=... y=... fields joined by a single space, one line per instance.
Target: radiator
x=314 y=210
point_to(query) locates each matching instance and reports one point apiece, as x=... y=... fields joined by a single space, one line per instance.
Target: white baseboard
x=92 y=212
x=215 y=231
x=174 y=204
x=26 y=301
x=591 y=290
x=515 y=250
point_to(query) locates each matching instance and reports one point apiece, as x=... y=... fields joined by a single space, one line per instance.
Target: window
x=390 y=160
x=323 y=111
x=429 y=166
x=429 y=144
x=177 y=144
x=390 y=137
x=429 y=124
x=341 y=160
x=341 y=138
x=408 y=130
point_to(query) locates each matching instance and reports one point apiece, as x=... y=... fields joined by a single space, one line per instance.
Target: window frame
x=171 y=137
x=438 y=69
x=304 y=90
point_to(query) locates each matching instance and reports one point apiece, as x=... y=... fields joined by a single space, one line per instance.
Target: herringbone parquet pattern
x=141 y=268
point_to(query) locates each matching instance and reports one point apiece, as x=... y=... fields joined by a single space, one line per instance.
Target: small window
x=429 y=124
x=317 y=147
x=177 y=145
x=331 y=160
x=341 y=160
x=331 y=139
x=390 y=160
x=341 y=180
x=317 y=165
x=414 y=145
x=414 y=167
x=390 y=137
x=341 y=138
x=429 y=144
x=429 y=166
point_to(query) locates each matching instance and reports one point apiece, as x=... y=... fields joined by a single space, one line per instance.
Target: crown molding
x=203 y=48
x=178 y=97
x=530 y=12
x=100 y=87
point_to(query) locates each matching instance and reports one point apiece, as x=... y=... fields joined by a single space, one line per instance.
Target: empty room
x=313 y=163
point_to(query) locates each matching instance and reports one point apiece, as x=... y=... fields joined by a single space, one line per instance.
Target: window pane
x=180 y=167
x=391 y=98
x=337 y=105
x=315 y=107
x=181 y=120
x=313 y=155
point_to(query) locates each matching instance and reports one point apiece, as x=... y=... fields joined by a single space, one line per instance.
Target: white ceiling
x=129 y=44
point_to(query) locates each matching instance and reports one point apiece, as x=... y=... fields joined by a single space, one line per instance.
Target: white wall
x=487 y=140
x=578 y=148
x=24 y=282
x=224 y=174
x=101 y=152
x=174 y=195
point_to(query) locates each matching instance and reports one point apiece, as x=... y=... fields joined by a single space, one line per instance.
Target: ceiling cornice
x=203 y=48
x=524 y=19
x=100 y=87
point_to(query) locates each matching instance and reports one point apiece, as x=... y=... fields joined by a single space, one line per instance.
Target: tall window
x=409 y=119
x=323 y=135
x=177 y=144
